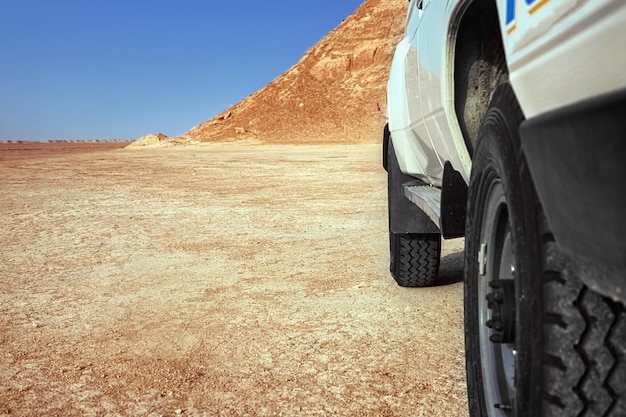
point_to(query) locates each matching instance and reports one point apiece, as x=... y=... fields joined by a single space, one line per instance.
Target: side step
x=426 y=197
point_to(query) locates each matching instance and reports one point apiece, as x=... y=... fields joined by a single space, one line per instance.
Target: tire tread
x=415 y=259
x=587 y=332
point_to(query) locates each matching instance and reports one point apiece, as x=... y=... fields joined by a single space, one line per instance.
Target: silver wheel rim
x=497 y=262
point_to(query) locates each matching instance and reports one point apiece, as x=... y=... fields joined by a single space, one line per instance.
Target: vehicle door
x=432 y=49
x=418 y=89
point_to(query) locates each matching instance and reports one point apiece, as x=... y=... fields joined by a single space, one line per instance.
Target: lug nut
x=494 y=324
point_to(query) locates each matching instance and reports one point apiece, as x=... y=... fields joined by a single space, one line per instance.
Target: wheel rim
x=496 y=304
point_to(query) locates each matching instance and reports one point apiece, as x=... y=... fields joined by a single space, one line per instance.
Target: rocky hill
x=333 y=93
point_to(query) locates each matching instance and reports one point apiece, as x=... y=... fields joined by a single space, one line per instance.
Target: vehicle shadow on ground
x=451 y=268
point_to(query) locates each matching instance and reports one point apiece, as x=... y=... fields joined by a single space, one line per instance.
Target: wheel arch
x=478 y=67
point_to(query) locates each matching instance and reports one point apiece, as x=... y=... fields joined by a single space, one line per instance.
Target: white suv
x=507 y=125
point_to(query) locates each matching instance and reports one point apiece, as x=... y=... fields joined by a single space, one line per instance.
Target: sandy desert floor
x=217 y=280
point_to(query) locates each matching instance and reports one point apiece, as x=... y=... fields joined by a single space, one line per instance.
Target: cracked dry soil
x=218 y=279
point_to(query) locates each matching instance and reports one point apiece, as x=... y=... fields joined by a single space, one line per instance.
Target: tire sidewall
x=498 y=159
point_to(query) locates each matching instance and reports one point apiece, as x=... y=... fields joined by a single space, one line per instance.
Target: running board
x=426 y=197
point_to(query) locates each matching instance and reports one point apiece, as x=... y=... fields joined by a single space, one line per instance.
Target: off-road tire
x=584 y=344
x=414 y=258
x=565 y=349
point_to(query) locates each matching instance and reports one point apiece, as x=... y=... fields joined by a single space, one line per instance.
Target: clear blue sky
x=108 y=69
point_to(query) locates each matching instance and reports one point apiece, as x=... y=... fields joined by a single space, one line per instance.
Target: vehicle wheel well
x=479 y=66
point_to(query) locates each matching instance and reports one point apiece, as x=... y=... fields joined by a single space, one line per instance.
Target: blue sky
x=109 y=69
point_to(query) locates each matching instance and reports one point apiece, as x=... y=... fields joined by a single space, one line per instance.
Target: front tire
x=415 y=244
x=414 y=258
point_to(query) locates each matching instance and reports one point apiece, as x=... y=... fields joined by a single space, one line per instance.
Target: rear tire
x=499 y=353
x=538 y=342
x=584 y=346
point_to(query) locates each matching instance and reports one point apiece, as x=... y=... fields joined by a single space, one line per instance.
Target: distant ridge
x=330 y=96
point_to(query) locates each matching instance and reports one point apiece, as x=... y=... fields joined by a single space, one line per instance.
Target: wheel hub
x=501 y=302
x=497 y=306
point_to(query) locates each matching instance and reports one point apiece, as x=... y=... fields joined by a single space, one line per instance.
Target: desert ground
x=227 y=279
